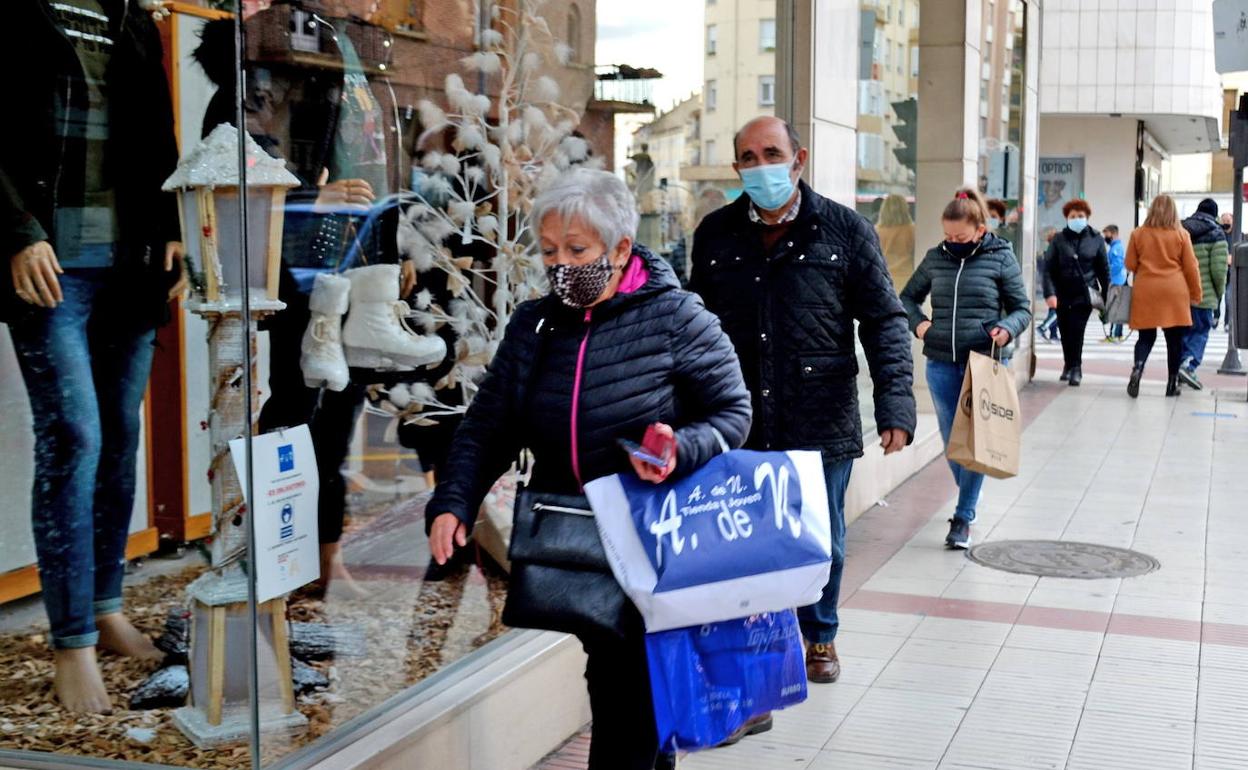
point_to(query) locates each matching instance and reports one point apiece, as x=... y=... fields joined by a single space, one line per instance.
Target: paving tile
x=1045 y=663
x=1014 y=713
x=1093 y=600
x=1111 y=740
x=1143 y=648
x=929 y=677
x=755 y=752
x=871 y=622
x=1220 y=745
x=983 y=632
x=852 y=760
x=1057 y=640
x=856 y=644
x=946 y=652
x=973 y=748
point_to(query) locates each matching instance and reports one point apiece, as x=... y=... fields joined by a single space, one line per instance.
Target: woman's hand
x=920 y=331
x=175 y=255
x=34 y=270
x=1000 y=337
x=356 y=193
x=447 y=532
x=647 y=472
x=1051 y=302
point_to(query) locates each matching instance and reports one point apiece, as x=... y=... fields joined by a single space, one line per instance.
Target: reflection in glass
x=1001 y=112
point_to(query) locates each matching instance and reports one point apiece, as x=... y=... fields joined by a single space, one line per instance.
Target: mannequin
x=93 y=256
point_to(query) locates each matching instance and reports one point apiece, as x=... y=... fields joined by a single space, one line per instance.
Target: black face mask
x=1109 y=239
x=961 y=250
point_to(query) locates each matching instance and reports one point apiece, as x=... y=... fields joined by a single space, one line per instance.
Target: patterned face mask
x=580 y=285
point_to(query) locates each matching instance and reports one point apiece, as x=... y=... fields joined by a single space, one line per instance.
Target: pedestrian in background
x=1228 y=225
x=1117 y=257
x=792 y=274
x=1167 y=285
x=1048 y=327
x=978 y=302
x=1209 y=246
x=1076 y=267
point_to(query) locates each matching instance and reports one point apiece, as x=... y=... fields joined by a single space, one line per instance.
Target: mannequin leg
x=333 y=425
x=121 y=364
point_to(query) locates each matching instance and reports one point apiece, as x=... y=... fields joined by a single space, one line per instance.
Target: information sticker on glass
x=284 y=515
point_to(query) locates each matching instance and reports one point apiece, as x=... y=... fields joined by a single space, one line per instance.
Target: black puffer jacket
x=40 y=170
x=653 y=355
x=1073 y=263
x=969 y=298
x=791 y=315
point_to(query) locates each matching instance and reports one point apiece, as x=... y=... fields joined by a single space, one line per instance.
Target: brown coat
x=1167 y=280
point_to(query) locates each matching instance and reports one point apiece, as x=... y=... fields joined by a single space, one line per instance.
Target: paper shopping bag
x=987 y=427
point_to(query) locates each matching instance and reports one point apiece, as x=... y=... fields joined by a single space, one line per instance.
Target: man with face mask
x=789 y=271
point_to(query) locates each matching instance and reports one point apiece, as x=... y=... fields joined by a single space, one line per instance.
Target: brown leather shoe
x=822 y=665
x=759 y=724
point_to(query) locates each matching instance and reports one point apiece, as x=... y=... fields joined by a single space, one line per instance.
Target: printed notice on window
x=284 y=514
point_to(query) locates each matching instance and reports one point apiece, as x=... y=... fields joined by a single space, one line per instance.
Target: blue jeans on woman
x=819 y=621
x=944 y=380
x=85 y=375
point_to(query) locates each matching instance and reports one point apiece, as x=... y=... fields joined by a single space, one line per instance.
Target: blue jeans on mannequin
x=819 y=620
x=944 y=380
x=85 y=378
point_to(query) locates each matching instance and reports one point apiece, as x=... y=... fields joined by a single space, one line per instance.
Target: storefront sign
x=284 y=514
x=1061 y=180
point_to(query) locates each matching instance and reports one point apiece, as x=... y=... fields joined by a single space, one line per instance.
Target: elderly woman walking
x=1167 y=286
x=616 y=347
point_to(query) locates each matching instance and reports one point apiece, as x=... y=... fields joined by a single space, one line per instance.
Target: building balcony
x=630 y=89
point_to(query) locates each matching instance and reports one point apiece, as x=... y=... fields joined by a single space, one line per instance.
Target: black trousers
x=1072 y=321
x=1146 y=338
x=624 y=734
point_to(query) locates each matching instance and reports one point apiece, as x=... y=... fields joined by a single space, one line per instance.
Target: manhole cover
x=1058 y=558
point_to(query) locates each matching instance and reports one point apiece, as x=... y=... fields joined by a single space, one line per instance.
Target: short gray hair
x=599 y=199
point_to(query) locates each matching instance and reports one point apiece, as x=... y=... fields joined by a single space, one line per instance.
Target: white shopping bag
x=747 y=533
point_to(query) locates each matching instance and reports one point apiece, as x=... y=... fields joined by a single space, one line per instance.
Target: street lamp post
x=1239 y=157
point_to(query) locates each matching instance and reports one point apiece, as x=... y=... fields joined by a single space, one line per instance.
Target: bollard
x=1236 y=305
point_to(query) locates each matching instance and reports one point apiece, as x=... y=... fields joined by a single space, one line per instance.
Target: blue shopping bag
x=707 y=681
x=745 y=534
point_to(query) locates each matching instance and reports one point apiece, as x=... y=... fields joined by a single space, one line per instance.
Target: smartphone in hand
x=643 y=454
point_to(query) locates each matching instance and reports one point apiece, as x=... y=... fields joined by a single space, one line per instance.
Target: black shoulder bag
x=560 y=577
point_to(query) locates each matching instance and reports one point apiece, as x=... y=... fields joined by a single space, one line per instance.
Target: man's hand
x=1000 y=337
x=894 y=440
x=447 y=533
x=1051 y=302
x=35 y=270
x=920 y=331
x=175 y=256
x=407 y=278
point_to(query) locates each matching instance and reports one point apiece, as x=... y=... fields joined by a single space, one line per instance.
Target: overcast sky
x=663 y=34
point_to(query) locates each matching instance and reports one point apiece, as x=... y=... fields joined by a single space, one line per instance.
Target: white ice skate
x=375 y=336
x=322 y=360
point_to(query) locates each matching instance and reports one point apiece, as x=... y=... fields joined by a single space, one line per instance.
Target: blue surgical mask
x=1077 y=225
x=769 y=186
x=993 y=223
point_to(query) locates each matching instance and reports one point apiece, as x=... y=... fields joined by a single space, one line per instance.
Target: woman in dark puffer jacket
x=978 y=302
x=615 y=347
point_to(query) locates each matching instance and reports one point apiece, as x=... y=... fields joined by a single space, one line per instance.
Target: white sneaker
x=375 y=335
x=322 y=359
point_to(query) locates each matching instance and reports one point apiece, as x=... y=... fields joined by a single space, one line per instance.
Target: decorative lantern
x=208 y=188
x=207 y=183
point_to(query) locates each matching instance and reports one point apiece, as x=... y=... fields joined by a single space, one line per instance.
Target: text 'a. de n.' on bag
x=747 y=533
x=987 y=431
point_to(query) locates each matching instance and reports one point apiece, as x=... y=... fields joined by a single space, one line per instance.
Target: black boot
x=1172 y=385
x=1076 y=376
x=1133 y=385
x=1065 y=374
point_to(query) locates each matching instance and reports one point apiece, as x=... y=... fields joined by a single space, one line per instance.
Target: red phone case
x=657 y=444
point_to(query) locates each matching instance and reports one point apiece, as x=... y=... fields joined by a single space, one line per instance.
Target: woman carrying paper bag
x=978 y=303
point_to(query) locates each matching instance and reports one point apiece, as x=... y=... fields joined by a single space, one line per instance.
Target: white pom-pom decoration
x=491 y=38
x=460 y=211
x=545 y=89
x=450 y=165
x=471 y=138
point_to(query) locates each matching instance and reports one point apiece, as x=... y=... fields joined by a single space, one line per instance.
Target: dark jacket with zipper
x=41 y=170
x=1075 y=262
x=654 y=355
x=791 y=315
x=969 y=297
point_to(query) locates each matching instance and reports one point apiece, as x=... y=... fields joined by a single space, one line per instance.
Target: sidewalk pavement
x=949 y=664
